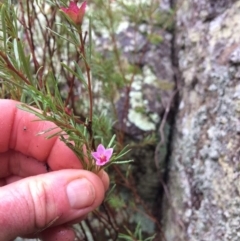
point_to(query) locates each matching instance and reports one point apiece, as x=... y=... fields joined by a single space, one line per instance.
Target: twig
x=12 y=68
x=87 y=67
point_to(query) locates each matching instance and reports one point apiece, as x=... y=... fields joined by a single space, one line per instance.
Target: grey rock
x=204 y=169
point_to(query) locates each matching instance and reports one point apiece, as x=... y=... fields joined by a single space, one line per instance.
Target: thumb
x=35 y=203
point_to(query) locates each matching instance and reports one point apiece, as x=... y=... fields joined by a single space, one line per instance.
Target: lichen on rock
x=204 y=170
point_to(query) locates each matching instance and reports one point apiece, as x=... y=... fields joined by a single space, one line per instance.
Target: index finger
x=19 y=131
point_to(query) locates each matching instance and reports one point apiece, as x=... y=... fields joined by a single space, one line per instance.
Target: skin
x=34 y=201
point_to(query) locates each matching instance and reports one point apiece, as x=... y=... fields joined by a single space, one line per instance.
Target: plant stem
x=87 y=67
x=12 y=68
x=82 y=51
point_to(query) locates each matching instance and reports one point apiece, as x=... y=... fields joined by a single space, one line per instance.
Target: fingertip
x=62 y=157
x=105 y=179
x=60 y=233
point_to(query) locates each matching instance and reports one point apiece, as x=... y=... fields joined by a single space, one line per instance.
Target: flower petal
x=100 y=163
x=102 y=155
x=83 y=7
x=95 y=155
x=75 y=13
x=108 y=153
x=73 y=7
x=101 y=149
x=81 y=12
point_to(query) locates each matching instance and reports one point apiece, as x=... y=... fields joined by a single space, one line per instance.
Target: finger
x=33 y=204
x=15 y=166
x=13 y=178
x=60 y=233
x=77 y=220
x=20 y=132
x=15 y=163
x=105 y=179
x=7 y=112
x=62 y=157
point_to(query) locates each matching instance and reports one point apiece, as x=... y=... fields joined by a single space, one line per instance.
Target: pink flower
x=102 y=155
x=75 y=13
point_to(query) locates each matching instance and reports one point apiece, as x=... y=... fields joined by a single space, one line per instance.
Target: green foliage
x=136 y=236
x=155 y=38
x=52 y=65
x=116 y=202
x=40 y=91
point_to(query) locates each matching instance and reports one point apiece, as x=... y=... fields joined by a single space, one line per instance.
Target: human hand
x=33 y=201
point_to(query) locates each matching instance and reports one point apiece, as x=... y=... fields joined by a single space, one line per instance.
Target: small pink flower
x=102 y=155
x=75 y=13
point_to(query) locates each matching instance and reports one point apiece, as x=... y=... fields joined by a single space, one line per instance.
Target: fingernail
x=81 y=193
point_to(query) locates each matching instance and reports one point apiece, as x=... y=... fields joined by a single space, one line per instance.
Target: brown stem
x=110 y=220
x=91 y=230
x=29 y=37
x=82 y=51
x=70 y=92
x=87 y=67
x=83 y=231
x=126 y=183
x=11 y=67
